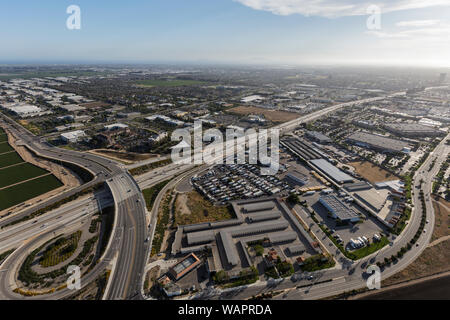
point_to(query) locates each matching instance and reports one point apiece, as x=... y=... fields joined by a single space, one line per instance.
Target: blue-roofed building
x=331 y=171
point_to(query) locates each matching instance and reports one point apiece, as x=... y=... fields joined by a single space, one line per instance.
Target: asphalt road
x=130 y=214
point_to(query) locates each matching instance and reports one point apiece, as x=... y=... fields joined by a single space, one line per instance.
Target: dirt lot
x=191 y=208
x=371 y=172
x=436 y=258
x=442 y=216
x=433 y=260
x=271 y=115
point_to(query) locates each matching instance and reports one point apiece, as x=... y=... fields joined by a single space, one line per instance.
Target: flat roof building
x=298 y=177
x=318 y=137
x=376 y=142
x=331 y=171
x=184 y=266
x=412 y=130
x=372 y=198
x=73 y=136
x=339 y=209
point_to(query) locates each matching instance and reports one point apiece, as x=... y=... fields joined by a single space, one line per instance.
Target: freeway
x=13 y=236
x=129 y=217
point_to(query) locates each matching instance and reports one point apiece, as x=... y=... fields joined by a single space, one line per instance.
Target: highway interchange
x=129 y=249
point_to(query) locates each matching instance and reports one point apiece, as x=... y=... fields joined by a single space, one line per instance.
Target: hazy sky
x=247 y=31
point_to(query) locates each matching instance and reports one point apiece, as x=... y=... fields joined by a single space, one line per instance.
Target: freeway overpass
x=129 y=226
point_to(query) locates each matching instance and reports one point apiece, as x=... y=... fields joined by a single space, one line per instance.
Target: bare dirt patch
x=192 y=208
x=442 y=218
x=271 y=115
x=372 y=172
x=432 y=261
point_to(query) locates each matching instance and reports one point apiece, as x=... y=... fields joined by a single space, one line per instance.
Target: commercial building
x=331 y=171
x=339 y=209
x=73 y=136
x=378 y=143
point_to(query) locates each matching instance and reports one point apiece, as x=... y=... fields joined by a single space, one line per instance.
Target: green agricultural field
x=5 y=147
x=169 y=83
x=9 y=159
x=3 y=136
x=20 y=193
x=21 y=172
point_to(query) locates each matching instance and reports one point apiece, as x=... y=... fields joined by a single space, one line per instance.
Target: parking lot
x=368 y=227
x=224 y=183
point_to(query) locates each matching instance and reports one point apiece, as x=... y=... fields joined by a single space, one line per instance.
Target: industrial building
x=378 y=143
x=413 y=130
x=331 y=171
x=298 y=178
x=302 y=149
x=374 y=199
x=339 y=209
x=318 y=137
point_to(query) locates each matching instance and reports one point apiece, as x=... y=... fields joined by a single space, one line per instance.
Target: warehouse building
x=282 y=237
x=298 y=178
x=263 y=216
x=258 y=206
x=229 y=248
x=296 y=249
x=266 y=219
x=374 y=199
x=378 y=143
x=413 y=130
x=331 y=171
x=202 y=237
x=339 y=209
x=318 y=137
